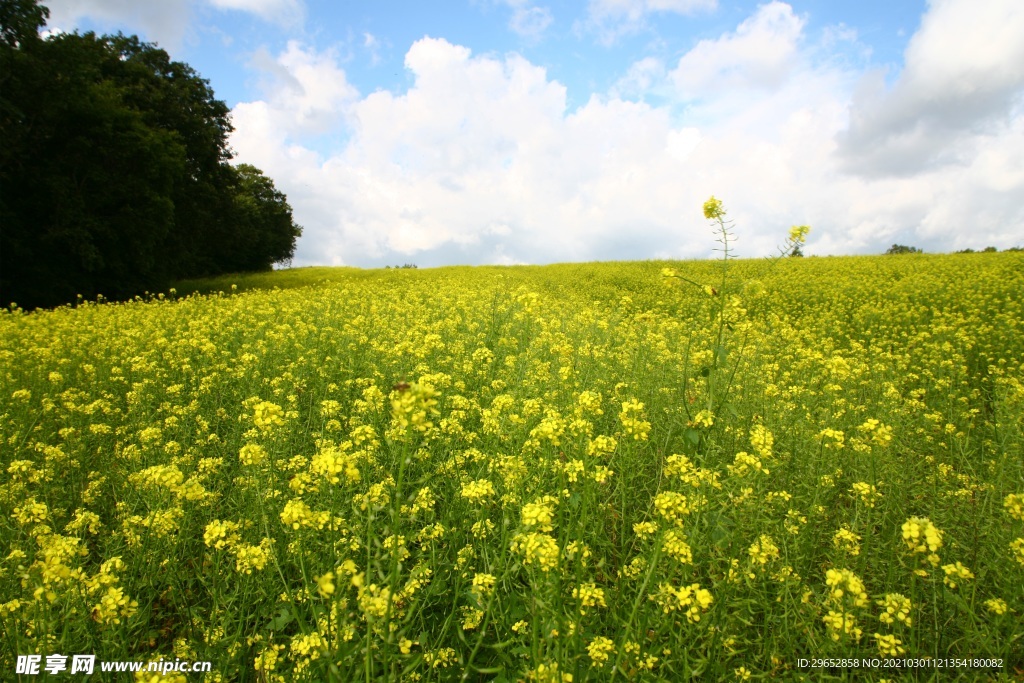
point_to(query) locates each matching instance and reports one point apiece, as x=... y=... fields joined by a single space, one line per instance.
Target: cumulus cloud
x=962 y=80
x=761 y=53
x=308 y=93
x=482 y=161
x=642 y=77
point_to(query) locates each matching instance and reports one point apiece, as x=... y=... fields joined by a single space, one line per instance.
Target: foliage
x=524 y=473
x=114 y=173
x=902 y=249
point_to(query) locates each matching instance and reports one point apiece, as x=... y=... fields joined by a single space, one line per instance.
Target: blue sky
x=520 y=131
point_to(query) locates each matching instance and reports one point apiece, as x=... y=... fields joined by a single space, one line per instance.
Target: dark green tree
x=87 y=184
x=114 y=170
x=264 y=232
x=902 y=249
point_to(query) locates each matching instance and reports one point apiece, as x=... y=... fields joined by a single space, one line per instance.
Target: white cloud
x=291 y=13
x=164 y=22
x=528 y=21
x=634 y=10
x=963 y=74
x=372 y=44
x=612 y=19
x=760 y=54
x=481 y=161
x=641 y=78
x=308 y=94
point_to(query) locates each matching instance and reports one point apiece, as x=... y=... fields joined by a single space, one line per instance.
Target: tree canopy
x=114 y=172
x=902 y=249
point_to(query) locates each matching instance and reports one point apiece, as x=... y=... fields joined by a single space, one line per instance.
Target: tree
x=901 y=249
x=87 y=183
x=114 y=170
x=264 y=232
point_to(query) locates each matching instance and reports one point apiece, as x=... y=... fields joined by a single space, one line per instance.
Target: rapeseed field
x=587 y=472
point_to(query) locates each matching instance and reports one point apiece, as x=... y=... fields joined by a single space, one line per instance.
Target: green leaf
x=283 y=618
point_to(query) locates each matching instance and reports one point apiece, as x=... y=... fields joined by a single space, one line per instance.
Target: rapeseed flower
x=675 y=546
x=1014 y=504
x=1017 y=550
x=599 y=650
x=537 y=549
x=692 y=600
x=252 y=454
x=267 y=415
x=672 y=506
x=713 y=209
x=763 y=550
x=921 y=536
x=897 y=608
x=589 y=595
x=956 y=573
x=889 y=645
x=847 y=541
x=631 y=418
x=540 y=514
x=478 y=491
x=996 y=606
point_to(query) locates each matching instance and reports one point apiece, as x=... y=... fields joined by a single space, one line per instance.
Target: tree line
x=114 y=171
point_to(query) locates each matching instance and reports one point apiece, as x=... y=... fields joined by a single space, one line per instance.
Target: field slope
x=571 y=472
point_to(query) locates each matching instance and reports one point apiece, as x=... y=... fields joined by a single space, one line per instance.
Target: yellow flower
x=839 y=623
x=538 y=550
x=267 y=415
x=632 y=424
x=589 y=595
x=763 y=550
x=867 y=492
x=798 y=233
x=921 y=536
x=956 y=572
x=691 y=600
x=703 y=419
x=889 y=646
x=672 y=506
x=598 y=649
x=847 y=541
x=1014 y=504
x=252 y=454
x=674 y=545
x=220 y=535
x=325 y=584
x=996 y=605
x=483 y=584
x=539 y=513
x=249 y=557
x=478 y=490
x=713 y=209
x=897 y=608
x=645 y=529
x=843 y=582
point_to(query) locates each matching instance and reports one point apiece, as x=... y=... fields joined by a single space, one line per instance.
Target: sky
x=532 y=131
